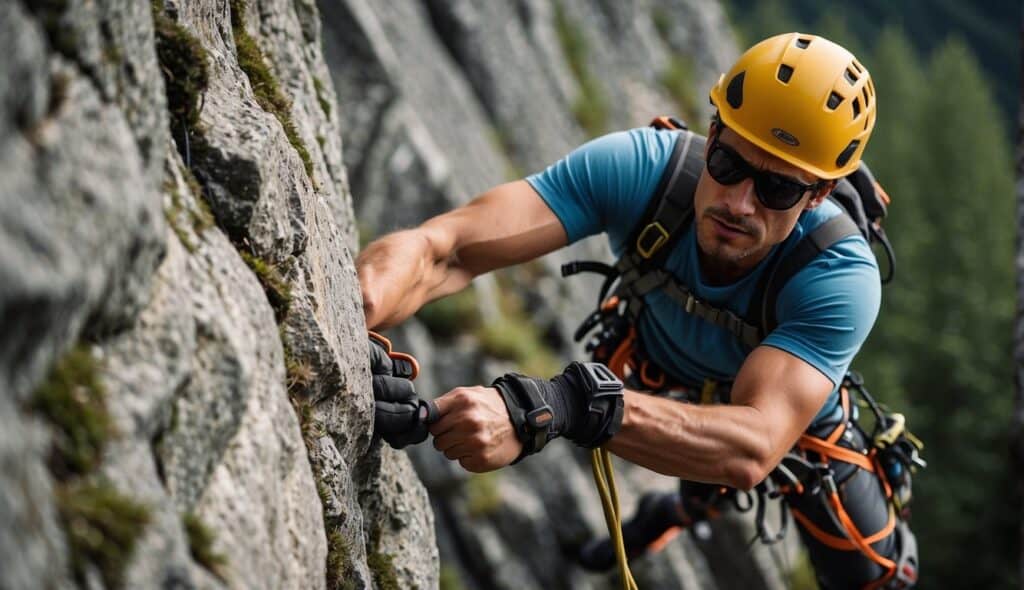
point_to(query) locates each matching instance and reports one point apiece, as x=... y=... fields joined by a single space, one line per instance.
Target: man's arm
x=774 y=398
x=506 y=225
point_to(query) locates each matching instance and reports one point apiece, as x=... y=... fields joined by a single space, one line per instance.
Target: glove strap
x=530 y=413
x=527 y=400
x=605 y=403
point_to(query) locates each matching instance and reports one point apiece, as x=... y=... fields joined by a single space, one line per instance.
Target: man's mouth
x=728 y=228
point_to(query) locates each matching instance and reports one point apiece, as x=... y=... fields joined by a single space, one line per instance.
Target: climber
x=793 y=116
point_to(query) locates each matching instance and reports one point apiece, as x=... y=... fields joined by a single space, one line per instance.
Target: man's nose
x=741 y=198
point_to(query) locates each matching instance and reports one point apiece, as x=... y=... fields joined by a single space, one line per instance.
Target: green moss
x=59 y=31
x=340 y=573
x=662 y=22
x=458 y=313
x=677 y=79
x=200 y=544
x=382 y=567
x=265 y=87
x=202 y=216
x=321 y=96
x=299 y=374
x=278 y=292
x=102 y=528
x=591 y=108
x=72 y=400
x=449 y=578
x=482 y=495
x=183 y=64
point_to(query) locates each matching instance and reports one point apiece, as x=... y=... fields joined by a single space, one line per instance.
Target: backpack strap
x=766 y=295
x=668 y=214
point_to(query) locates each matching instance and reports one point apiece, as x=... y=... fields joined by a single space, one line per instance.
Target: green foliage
x=449 y=578
x=183 y=65
x=517 y=339
x=677 y=79
x=482 y=494
x=801 y=576
x=265 y=87
x=72 y=400
x=200 y=544
x=450 y=316
x=941 y=349
x=102 y=528
x=591 y=108
x=278 y=292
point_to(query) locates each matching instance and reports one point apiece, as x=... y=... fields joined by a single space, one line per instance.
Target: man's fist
x=400 y=416
x=475 y=429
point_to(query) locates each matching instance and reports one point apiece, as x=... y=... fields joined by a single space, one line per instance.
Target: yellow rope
x=604 y=478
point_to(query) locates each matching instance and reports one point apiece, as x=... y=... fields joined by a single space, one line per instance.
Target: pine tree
x=946 y=323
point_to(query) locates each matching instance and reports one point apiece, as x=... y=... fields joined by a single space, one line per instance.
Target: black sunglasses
x=774 y=190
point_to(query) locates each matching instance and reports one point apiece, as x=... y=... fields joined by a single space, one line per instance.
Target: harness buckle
x=659 y=237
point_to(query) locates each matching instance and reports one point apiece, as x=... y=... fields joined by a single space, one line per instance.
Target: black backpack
x=640 y=269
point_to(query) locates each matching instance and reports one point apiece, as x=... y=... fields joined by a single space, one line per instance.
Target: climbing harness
x=610 y=337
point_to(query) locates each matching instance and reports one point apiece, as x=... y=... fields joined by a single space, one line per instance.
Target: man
x=794 y=115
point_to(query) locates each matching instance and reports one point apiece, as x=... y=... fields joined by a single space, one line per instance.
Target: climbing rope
x=604 y=478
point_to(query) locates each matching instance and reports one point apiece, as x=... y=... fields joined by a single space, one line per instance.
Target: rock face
x=185 y=395
x=442 y=99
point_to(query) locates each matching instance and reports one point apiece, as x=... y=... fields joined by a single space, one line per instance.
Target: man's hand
x=400 y=416
x=475 y=429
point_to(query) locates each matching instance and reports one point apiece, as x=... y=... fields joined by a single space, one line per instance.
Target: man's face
x=735 y=230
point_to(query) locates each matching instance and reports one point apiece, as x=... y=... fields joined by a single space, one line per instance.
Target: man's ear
x=819 y=195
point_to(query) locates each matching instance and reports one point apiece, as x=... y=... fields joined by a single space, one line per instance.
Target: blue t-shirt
x=824 y=312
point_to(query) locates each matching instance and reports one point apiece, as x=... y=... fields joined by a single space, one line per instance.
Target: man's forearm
x=402 y=271
x=722 y=444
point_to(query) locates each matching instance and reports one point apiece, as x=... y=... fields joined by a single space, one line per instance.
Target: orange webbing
x=861 y=542
x=621 y=356
x=841 y=543
x=844 y=401
x=826 y=449
x=659 y=543
x=646 y=379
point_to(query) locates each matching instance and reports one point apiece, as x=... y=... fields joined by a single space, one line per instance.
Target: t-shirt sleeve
x=596 y=186
x=826 y=311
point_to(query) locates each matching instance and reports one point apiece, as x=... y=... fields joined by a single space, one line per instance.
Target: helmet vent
x=867 y=97
x=785 y=73
x=856 y=108
x=834 y=100
x=850 y=77
x=857 y=66
x=847 y=153
x=734 y=93
x=802 y=42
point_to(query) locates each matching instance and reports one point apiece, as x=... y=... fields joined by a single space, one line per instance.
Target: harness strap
x=841 y=543
x=823 y=237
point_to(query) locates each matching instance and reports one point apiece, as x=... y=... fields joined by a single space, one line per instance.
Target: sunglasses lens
x=776 y=192
x=724 y=166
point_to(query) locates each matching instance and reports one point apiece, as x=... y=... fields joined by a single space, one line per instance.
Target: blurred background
x=947 y=75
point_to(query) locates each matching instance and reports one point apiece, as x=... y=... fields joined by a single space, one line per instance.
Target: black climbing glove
x=583 y=404
x=400 y=417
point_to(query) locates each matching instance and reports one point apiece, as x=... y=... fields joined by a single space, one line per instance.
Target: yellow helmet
x=802 y=98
